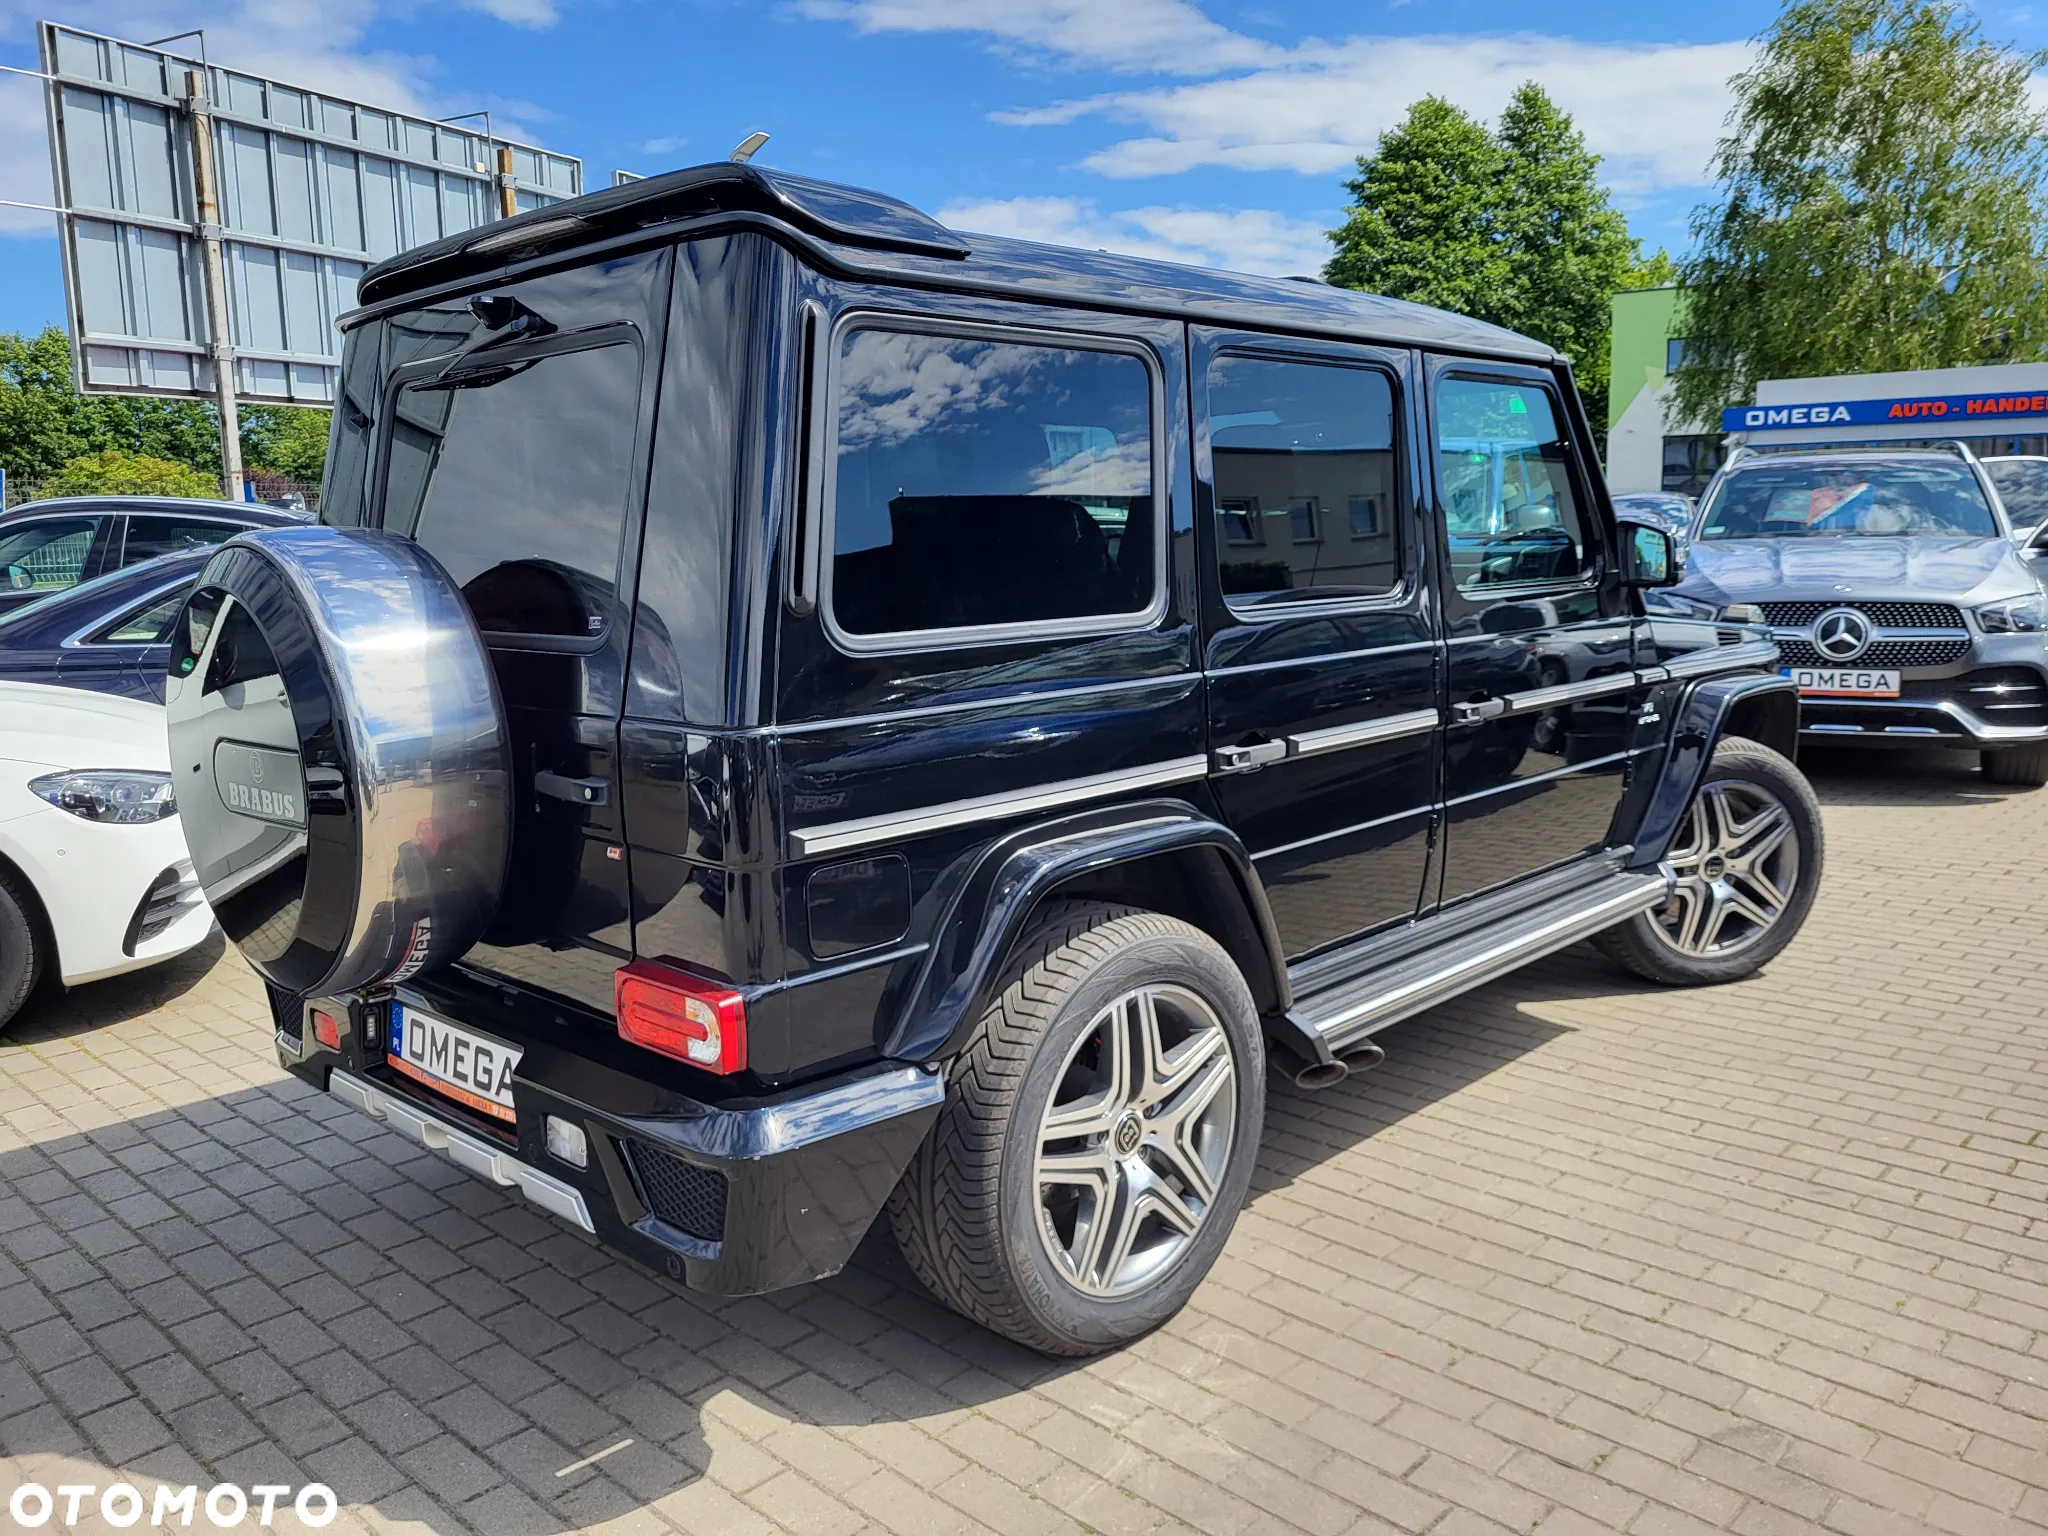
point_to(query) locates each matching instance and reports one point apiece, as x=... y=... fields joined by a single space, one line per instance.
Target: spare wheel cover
x=340 y=758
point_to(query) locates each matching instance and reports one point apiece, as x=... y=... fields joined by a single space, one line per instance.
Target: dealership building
x=1996 y=409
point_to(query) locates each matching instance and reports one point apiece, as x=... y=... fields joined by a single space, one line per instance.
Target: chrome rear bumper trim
x=463 y=1149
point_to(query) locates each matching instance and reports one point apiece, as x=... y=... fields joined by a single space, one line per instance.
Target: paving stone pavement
x=1584 y=1255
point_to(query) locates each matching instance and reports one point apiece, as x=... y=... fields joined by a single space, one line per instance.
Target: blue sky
x=1213 y=133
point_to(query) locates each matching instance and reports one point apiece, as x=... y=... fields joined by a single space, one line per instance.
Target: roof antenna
x=749 y=147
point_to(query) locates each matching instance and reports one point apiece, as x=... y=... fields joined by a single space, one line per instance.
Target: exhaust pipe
x=1328 y=1074
x=1321 y=1074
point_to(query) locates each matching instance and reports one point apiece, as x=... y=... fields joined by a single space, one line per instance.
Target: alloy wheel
x=1134 y=1141
x=1736 y=866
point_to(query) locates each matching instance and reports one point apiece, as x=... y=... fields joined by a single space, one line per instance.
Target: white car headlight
x=126 y=796
x=2021 y=616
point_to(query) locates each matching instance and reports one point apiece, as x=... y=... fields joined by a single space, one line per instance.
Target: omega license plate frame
x=459 y=1063
x=1845 y=682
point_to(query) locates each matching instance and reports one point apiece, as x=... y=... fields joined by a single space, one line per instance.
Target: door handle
x=1473 y=711
x=1245 y=759
x=576 y=791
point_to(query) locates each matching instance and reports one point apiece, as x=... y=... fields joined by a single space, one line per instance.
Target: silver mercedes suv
x=1903 y=606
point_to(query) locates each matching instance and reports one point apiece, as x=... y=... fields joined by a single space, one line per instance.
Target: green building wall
x=1644 y=320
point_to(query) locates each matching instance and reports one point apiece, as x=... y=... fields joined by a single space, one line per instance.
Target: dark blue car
x=108 y=635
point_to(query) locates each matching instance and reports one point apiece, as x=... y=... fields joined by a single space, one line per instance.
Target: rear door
x=1320 y=654
x=1542 y=692
x=150 y=534
x=513 y=447
x=42 y=555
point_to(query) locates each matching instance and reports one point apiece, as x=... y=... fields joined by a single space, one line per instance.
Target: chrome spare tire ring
x=1735 y=867
x=1134 y=1140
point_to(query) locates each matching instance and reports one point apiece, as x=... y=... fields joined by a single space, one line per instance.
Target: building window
x=1674 y=354
x=1364 y=512
x=1302 y=513
x=1690 y=462
x=1241 y=521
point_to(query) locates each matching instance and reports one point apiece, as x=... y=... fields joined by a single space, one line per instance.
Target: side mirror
x=1650 y=557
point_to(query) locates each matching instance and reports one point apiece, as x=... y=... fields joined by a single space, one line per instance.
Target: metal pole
x=221 y=345
x=508 y=197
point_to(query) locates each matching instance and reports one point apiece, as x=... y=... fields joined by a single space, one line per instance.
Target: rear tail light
x=680 y=1015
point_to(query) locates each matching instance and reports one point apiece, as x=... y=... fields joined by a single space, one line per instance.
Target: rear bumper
x=728 y=1199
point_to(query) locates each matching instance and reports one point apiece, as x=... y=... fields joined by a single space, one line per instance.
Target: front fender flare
x=986 y=900
x=1702 y=720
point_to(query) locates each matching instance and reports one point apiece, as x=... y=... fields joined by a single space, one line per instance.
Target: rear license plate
x=470 y=1068
x=1845 y=682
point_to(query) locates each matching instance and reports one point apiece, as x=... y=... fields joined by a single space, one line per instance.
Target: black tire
x=1646 y=946
x=968 y=1215
x=21 y=958
x=2026 y=765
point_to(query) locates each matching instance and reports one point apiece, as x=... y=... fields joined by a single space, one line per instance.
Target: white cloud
x=1166 y=37
x=305 y=42
x=1254 y=240
x=1654 y=111
x=663 y=146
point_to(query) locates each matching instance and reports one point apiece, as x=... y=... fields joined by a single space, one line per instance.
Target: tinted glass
x=2023 y=487
x=46 y=555
x=1872 y=498
x=517 y=481
x=149 y=537
x=983 y=482
x=1507 y=492
x=1304 y=466
x=150 y=625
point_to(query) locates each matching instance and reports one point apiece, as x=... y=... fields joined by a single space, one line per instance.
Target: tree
x=110 y=472
x=45 y=423
x=1883 y=205
x=1511 y=226
x=290 y=440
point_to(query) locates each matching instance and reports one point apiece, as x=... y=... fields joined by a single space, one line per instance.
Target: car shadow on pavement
x=1902 y=777
x=265 y=1287
x=55 y=1012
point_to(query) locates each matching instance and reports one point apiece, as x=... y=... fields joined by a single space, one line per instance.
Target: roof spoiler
x=839 y=214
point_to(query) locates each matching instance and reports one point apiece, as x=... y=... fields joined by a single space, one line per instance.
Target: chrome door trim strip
x=1425 y=811
x=1003 y=701
x=1555 y=773
x=1322 y=659
x=1720 y=658
x=1570 y=693
x=837 y=836
x=1362 y=733
x=463 y=1149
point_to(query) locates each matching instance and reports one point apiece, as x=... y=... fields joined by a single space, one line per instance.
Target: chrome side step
x=1363 y=1005
x=463 y=1149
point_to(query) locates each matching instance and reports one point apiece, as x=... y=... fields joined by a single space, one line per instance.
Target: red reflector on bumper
x=326 y=1030
x=688 y=1017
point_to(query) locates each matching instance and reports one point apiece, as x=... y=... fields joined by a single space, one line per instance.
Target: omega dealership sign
x=1999 y=401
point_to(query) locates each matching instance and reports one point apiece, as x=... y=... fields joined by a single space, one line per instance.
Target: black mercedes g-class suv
x=792 y=711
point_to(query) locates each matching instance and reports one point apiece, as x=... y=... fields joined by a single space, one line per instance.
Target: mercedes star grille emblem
x=1841 y=634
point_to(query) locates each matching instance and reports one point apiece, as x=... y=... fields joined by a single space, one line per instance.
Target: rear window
x=517 y=479
x=1872 y=498
x=983 y=483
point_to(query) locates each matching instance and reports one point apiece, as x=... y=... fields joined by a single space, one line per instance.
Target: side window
x=46 y=555
x=980 y=482
x=1506 y=486
x=149 y=537
x=518 y=479
x=1303 y=456
x=149 y=625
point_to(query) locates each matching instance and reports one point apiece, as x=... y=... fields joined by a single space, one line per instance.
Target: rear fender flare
x=1758 y=705
x=1197 y=867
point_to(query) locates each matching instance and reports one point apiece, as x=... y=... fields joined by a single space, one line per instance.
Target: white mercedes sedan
x=94 y=876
